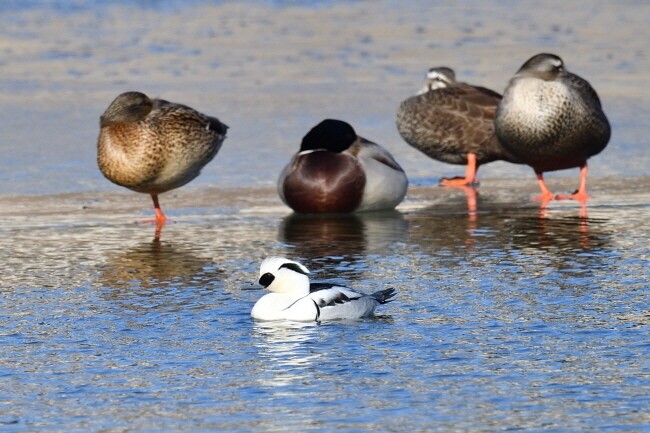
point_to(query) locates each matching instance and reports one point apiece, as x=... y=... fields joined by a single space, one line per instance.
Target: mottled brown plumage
x=551 y=119
x=153 y=146
x=450 y=120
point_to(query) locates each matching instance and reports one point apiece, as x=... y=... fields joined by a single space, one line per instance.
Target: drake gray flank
x=336 y=171
x=153 y=146
x=452 y=122
x=552 y=120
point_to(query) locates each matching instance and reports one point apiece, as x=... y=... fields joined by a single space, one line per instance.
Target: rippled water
x=505 y=320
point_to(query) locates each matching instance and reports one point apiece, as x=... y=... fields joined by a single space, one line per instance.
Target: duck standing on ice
x=453 y=122
x=551 y=119
x=294 y=298
x=153 y=146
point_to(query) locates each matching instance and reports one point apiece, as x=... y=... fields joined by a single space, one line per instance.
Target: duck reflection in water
x=157 y=234
x=156 y=270
x=331 y=238
x=471 y=196
x=287 y=356
x=502 y=226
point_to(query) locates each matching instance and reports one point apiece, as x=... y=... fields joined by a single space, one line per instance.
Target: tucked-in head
x=331 y=134
x=279 y=274
x=127 y=107
x=438 y=78
x=543 y=63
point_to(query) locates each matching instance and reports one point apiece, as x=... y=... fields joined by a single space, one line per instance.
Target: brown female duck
x=153 y=146
x=453 y=122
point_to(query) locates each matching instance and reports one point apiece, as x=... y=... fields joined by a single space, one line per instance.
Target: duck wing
x=213 y=124
x=334 y=302
x=364 y=148
x=328 y=295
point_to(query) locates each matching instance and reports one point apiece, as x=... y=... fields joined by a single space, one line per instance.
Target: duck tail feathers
x=217 y=126
x=384 y=296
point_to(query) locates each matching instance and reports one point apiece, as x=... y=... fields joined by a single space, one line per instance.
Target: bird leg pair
x=579 y=195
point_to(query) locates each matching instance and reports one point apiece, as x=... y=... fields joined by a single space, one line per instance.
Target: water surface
x=508 y=318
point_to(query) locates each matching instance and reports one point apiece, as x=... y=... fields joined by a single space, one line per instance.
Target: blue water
x=507 y=321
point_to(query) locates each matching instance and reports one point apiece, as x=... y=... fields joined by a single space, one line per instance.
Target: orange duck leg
x=470 y=174
x=581 y=194
x=160 y=216
x=546 y=194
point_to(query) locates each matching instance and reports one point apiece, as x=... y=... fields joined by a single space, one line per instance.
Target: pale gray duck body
x=550 y=118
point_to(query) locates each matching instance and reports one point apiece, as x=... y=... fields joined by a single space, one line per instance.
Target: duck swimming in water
x=552 y=119
x=294 y=298
x=336 y=171
x=153 y=146
x=452 y=122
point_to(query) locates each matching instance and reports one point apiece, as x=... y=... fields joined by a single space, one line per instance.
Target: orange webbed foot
x=158 y=221
x=577 y=195
x=458 y=181
x=545 y=197
x=544 y=200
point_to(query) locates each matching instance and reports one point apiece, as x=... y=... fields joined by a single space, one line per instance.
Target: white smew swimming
x=292 y=297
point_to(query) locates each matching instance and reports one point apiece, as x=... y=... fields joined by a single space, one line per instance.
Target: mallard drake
x=336 y=171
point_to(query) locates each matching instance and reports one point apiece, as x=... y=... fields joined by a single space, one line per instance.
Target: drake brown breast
x=322 y=181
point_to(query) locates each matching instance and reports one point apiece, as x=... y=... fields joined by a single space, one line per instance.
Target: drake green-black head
x=330 y=134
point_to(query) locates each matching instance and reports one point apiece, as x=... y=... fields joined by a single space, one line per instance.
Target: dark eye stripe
x=294 y=267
